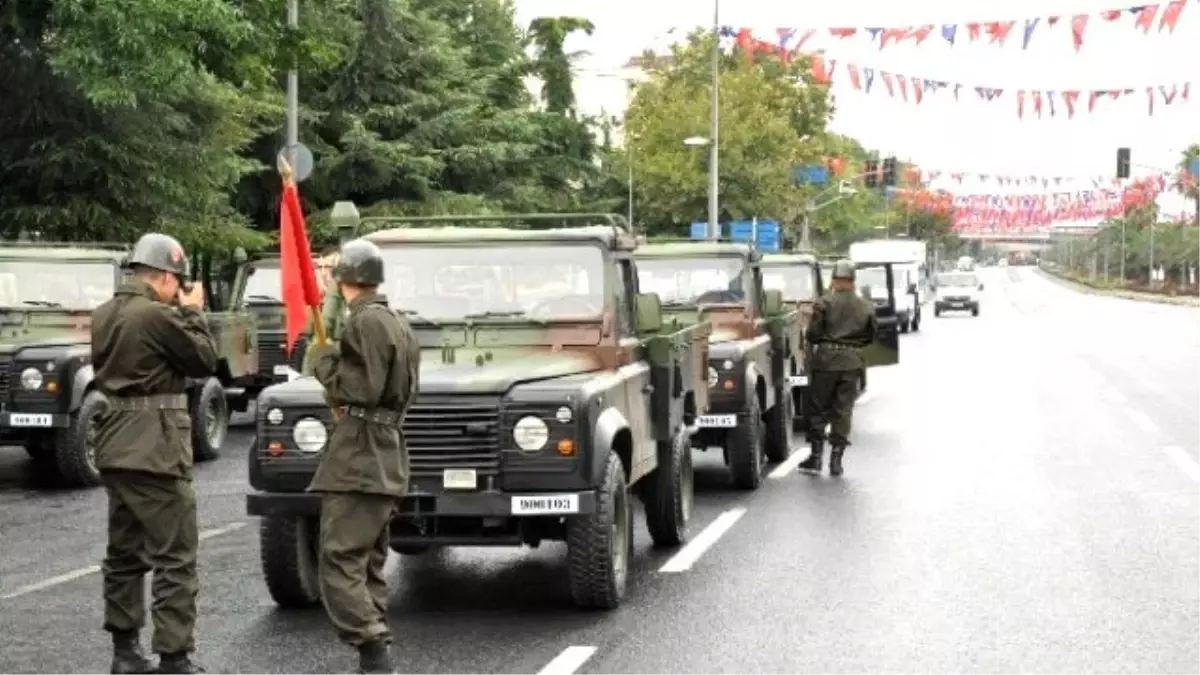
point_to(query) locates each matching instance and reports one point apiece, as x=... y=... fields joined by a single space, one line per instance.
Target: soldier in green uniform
x=842 y=324
x=371 y=375
x=146 y=341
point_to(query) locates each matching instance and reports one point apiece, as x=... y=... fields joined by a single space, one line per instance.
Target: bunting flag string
x=1029 y=102
x=1159 y=17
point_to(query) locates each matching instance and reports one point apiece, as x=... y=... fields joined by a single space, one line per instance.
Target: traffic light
x=1122 y=162
x=889 y=172
x=871 y=173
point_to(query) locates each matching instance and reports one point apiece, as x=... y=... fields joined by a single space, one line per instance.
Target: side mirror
x=912 y=289
x=345 y=218
x=239 y=255
x=981 y=287
x=773 y=302
x=647 y=308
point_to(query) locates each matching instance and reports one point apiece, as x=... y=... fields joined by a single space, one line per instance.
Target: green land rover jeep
x=550 y=392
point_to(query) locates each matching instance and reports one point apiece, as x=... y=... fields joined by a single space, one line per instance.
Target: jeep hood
x=472 y=371
x=22 y=329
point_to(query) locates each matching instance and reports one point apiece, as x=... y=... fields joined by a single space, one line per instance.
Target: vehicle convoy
x=908 y=260
x=754 y=348
x=957 y=291
x=550 y=392
x=48 y=398
x=798 y=276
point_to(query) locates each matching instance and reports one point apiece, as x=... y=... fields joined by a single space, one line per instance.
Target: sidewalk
x=1185 y=300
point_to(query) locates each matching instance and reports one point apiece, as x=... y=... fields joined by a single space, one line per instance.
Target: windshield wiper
x=501 y=314
x=414 y=316
x=263 y=297
x=41 y=303
x=677 y=303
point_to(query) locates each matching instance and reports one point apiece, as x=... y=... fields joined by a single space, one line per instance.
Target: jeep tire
x=288 y=553
x=75 y=446
x=210 y=420
x=779 y=426
x=600 y=544
x=744 y=447
x=668 y=492
x=975 y=310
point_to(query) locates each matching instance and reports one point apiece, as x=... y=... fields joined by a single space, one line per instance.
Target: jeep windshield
x=699 y=280
x=538 y=282
x=57 y=284
x=264 y=285
x=794 y=280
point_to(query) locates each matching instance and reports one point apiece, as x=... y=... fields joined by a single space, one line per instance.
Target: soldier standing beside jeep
x=842 y=325
x=144 y=349
x=373 y=376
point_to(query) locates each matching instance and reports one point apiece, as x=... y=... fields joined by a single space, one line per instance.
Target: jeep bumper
x=465 y=505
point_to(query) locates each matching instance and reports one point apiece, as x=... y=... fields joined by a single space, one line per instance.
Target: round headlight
x=563 y=414
x=310 y=434
x=712 y=376
x=275 y=416
x=530 y=433
x=727 y=365
x=31 y=378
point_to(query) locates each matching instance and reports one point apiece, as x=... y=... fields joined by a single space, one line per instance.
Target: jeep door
x=885 y=351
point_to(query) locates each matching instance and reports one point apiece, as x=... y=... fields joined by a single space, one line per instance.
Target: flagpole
x=285 y=173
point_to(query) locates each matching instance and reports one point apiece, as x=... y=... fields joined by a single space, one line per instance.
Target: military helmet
x=160 y=252
x=359 y=262
x=843 y=269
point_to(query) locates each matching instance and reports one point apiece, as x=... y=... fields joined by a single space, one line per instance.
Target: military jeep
x=798 y=277
x=754 y=348
x=47 y=400
x=550 y=391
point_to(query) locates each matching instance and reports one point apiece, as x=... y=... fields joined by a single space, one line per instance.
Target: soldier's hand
x=193 y=298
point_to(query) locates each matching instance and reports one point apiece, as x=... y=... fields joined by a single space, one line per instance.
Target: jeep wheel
x=974 y=311
x=937 y=311
x=288 y=552
x=75 y=446
x=916 y=323
x=210 y=420
x=599 y=544
x=779 y=427
x=668 y=492
x=744 y=446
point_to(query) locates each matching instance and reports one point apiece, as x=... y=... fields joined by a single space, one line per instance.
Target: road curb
x=1177 y=300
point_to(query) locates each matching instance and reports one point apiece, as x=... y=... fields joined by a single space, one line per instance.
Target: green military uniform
x=842 y=324
x=373 y=375
x=142 y=351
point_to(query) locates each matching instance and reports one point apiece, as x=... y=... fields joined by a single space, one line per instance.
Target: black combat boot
x=178 y=662
x=373 y=657
x=128 y=656
x=813 y=463
x=835 y=461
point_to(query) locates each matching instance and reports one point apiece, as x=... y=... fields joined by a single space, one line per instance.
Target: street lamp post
x=714 y=229
x=629 y=161
x=293 y=91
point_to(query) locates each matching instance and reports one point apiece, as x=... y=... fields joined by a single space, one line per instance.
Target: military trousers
x=151 y=528
x=831 y=397
x=354 y=546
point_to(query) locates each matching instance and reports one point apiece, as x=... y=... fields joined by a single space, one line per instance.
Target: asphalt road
x=1022 y=496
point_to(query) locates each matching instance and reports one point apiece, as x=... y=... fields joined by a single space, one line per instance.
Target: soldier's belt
x=833 y=345
x=380 y=415
x=154 y=402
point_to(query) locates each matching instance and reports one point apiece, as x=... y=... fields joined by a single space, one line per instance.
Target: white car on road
x=957 y=292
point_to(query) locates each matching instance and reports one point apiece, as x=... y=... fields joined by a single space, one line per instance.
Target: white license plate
x=543 y=505
x=459 y=479
x=282 y=369
x=26 y=420
x=798 y=381
x=717 y=421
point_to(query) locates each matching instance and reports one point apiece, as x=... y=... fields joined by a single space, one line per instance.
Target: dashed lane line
x=1142 y=420
x=789 y=465
x=93 y=569
x=1183 y=461
x=1113 y=395
x=689 y=554
x=569 y=661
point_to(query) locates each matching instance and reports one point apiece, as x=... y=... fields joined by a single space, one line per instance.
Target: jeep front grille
x=453 y=432
x=5 y=372
x=271 y=354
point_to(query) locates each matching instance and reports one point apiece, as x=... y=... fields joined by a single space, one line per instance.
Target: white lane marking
x=1112 y=395
x=1142 y=420
x=789 y=465
x=92 y=569
x=1186 y=463
x=568 y=661
x=689 y=554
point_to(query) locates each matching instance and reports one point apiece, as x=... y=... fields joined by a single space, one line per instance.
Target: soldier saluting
x=842 y=324
x=371 y=374
x=146 y=342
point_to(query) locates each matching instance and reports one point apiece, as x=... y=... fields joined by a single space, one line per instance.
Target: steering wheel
x=720 y=297
x=572 y=305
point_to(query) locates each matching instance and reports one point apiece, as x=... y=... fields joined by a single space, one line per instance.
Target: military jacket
x=372 y=373
x=143 y=352
x=842 y=324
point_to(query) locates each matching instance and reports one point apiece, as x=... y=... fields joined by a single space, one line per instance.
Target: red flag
x=1078 y=25
x=1170 y=15
x=299 y=279
x=1146 y=17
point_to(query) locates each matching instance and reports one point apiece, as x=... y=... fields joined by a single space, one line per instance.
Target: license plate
x=459 y=479
x=26 y=420
x=543 y=505
x=282 y=369
x=717 y=421
x=798 y=381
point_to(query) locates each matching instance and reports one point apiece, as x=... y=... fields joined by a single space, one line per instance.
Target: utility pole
x=293 y=91
x=629 y=160
x=714 y=227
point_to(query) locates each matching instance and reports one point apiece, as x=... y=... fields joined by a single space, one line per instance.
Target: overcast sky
x=939 y=133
